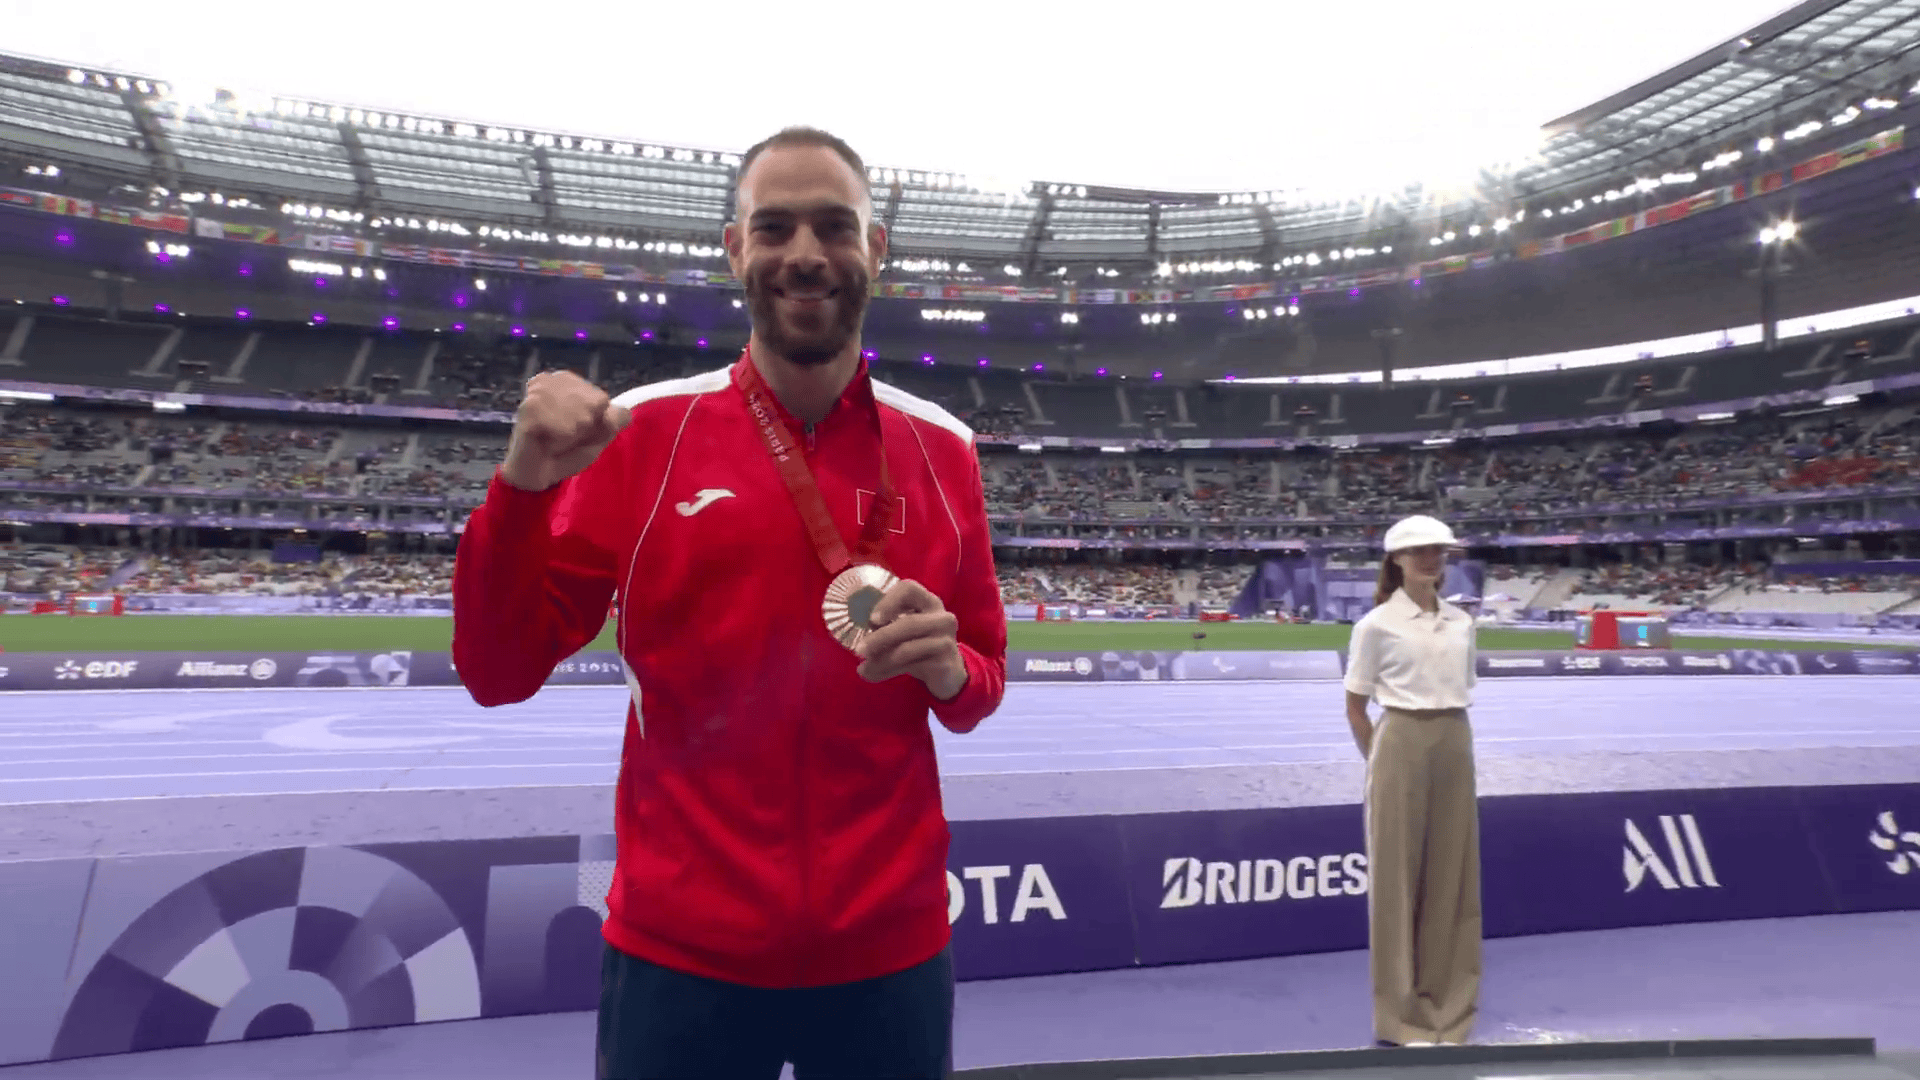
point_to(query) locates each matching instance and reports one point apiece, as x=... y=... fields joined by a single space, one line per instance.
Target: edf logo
x=1035 y=893
x=96 y=669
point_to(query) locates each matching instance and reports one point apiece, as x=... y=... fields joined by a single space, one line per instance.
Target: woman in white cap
x=1414 y=653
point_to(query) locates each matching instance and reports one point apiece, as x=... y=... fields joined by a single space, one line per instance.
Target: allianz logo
x=1889 y=838
x=1189 y=882
x=1033 y=893
x=1681 y=863
x=1516 y=663
x=260 y=670
x=1079 y=665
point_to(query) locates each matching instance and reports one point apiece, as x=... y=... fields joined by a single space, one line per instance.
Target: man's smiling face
x=807 y=250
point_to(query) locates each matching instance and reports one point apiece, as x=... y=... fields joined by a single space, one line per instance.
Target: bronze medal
x=850 y=600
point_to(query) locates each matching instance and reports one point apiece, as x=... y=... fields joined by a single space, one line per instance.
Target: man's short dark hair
x=801 y=136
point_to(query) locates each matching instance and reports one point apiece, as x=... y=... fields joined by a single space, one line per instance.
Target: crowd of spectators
x=1746 y=458
x=44 y=569
x=1618 y=475
x=1667 y=585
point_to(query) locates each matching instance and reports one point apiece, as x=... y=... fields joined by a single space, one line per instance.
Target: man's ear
x=877 y=248
x=730 y=239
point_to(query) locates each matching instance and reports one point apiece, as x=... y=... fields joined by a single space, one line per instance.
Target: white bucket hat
x=1419 y=531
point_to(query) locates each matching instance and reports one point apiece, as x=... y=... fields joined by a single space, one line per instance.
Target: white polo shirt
x=1405 y=658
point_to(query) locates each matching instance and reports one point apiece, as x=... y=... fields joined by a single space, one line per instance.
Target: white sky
x=1223 y=95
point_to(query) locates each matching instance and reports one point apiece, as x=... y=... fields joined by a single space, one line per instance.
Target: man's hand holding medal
x=912 y=633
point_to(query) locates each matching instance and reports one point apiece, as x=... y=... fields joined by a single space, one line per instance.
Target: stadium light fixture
x=1174 y=316
x=242 y=313
x=1246 y=315
x=480 y=284
x=1435 y=242
x=60 y=301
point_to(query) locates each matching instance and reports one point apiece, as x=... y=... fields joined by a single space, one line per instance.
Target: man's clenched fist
x=560 y=428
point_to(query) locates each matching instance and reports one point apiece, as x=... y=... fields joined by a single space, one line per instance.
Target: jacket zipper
x=804 y=856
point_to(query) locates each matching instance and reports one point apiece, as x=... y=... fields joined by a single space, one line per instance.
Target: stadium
x=260 y=357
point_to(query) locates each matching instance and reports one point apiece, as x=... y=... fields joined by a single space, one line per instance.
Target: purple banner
x=1699 y=662
x=1223 y=886
x=1552 y=863
x=1164 y=665
x=1037 y=896
x=213 y=671
x=512 y=926
x=188 y=670
x=1867 y=839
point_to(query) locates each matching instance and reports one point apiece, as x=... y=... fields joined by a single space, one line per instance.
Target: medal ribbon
x=791 y=462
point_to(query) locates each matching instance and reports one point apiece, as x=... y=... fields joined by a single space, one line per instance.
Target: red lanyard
x=805 y=491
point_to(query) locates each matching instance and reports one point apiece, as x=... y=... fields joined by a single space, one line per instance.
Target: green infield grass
x=382 y=633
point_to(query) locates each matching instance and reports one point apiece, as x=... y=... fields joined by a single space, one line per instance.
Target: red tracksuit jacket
x=778 y=818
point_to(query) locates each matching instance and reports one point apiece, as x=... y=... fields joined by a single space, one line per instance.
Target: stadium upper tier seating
x=329 y=363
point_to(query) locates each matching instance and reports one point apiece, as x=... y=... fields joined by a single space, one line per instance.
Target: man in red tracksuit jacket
x=780 y=893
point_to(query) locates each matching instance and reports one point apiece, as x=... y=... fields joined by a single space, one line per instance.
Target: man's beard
x=818 y=345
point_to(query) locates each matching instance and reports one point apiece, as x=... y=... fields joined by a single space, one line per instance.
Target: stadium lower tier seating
x=1839 y=450
x=1119 y=583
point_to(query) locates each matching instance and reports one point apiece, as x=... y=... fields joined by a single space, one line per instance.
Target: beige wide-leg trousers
x=1423 y=855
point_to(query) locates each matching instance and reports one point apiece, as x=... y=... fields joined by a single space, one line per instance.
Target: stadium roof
x=1823 y=64
x=1808 y=65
